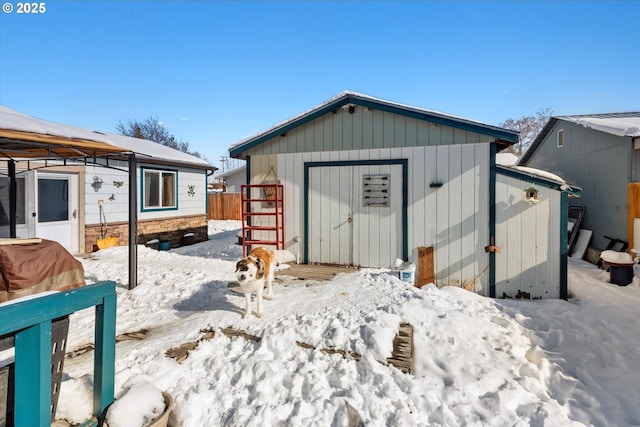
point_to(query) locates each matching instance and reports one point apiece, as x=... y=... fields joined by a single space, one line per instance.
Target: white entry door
x=355 y=215
x=56 y=209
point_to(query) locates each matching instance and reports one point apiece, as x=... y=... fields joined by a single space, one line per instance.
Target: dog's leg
x=269 y=279
x=247 y=310
x=259 y=313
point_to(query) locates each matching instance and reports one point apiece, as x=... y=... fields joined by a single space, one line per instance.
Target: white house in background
x=368 y=181
x=234 y=178
x=63 y=201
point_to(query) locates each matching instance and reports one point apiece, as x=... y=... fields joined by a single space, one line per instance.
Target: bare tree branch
x=154 y=130
x=528 y=127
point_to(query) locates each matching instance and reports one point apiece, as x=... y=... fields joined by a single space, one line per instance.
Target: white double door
x=355 y=215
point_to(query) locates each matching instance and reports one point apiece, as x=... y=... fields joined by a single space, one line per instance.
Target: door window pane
x=53 y=200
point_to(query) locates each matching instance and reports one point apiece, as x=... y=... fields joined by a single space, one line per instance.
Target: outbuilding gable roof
x=504 y=136
x=619 y=124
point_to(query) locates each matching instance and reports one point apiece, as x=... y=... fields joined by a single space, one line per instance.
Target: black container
x=187 y=239
x=621 y=275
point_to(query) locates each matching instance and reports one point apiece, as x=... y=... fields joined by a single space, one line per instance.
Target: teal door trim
x=405 y=197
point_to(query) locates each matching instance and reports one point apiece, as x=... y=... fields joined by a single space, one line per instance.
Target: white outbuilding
x=367 y=182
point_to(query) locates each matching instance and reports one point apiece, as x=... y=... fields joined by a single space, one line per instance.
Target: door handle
x=75 y=213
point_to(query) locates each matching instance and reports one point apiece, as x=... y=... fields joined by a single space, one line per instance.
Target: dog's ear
x=238 y=265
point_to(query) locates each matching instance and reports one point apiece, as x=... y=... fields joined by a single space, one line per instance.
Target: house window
x=160 y=189
x=560 y=138
x=4 y=201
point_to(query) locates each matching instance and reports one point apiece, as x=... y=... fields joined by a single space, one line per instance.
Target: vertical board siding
x=443 y=193
x=454 y=233
x=529 y=237
x=453 y=218
x=481 y=218
x=599 y=163
x=365 y=128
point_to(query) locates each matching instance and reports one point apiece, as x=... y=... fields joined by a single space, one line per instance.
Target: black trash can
x=621 y=275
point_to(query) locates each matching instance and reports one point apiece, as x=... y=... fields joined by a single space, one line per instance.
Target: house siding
x=452 y=218
x=116 y=197
x=599 y=163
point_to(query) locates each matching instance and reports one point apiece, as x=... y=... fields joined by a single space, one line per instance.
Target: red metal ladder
x=262 y=203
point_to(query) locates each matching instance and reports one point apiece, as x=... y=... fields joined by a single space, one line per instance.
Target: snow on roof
x=13 y=120
x=506 y=159
x=620 y=124
x=232 y=171
x=540 y=174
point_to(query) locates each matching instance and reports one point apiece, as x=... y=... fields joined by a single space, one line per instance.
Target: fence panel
x=634 y=210
x=225 y=206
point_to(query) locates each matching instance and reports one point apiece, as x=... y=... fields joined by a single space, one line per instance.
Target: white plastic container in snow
x=406 y=270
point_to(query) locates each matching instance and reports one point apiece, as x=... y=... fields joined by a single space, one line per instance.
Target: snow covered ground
x=478 y=361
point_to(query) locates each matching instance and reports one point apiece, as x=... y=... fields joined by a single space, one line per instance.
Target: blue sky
x=217 y=72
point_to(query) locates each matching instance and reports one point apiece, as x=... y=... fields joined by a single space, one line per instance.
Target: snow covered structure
x=601 y=154
x=234 y=178
x=76 y=196
x=368 y=181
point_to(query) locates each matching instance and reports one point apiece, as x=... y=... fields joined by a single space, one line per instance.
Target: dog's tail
x=283 y=257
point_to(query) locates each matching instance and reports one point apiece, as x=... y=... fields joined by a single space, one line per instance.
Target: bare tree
x=154 y=130
x=528 y=127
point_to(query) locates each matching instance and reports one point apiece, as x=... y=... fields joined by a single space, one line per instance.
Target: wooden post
x=425 y=266
x=633 y=210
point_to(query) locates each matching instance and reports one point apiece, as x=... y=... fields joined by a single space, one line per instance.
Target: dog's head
x=248 y=269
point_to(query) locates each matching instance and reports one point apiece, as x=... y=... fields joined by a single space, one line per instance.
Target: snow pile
x=138 y=405
x=477 y=361
x=615 y=257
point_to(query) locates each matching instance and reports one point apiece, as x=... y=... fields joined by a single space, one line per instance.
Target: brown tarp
x=32 y=268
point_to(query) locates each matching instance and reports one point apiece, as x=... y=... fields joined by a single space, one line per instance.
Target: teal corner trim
x=405 y=197
x=248 y=181
x=30 y=322
x=564 y=244
x=104 y=354
x=492 y=218
x=33 y=375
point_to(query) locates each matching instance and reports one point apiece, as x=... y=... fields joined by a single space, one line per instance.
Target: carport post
x=13 y=199
x=133 y=222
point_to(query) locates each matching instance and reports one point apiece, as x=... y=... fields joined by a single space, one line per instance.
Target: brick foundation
x=171 y=229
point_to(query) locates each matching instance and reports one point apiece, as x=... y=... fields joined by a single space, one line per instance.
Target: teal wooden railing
x=30 y=322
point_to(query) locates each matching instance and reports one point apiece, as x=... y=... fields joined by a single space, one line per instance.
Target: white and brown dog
x=253 y=272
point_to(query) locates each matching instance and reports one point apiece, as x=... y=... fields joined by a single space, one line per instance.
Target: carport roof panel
x=23 y=136
x=17 y=144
